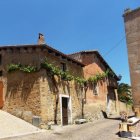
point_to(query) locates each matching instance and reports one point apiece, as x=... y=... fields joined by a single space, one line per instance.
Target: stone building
x=103 y=94
x=132 y=29
x=36 y=93
x=58 y=93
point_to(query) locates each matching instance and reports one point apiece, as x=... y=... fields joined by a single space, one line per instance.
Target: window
x=63 y=67
x=0 y=73
x=95 y=89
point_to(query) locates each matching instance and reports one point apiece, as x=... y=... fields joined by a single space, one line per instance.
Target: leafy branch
x=64 y=75
x=26 y=68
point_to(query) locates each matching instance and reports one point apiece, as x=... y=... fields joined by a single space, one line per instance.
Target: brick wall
x=106 y=88
x=132 y=28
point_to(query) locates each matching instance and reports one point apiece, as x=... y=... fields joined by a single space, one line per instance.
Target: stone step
x=80 y=121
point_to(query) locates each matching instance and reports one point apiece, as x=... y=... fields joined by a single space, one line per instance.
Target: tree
x=124 y=93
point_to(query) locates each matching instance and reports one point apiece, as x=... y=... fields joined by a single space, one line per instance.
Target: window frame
x=95 y=89
x=63 y=66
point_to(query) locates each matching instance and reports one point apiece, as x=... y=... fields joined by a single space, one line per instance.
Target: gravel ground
x=100 y=130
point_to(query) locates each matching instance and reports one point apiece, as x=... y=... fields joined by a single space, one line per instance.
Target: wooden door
x=1 y=95
x=65 y=111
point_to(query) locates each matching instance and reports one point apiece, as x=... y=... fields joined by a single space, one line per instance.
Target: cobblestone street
x=100 y=130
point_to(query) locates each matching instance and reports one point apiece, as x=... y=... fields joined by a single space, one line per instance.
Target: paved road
x=11 y=125
x=99 y=130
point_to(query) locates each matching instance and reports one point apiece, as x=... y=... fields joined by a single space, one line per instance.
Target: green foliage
x=53 y=70
x=27 y=69
x=66 y=76
x=80 y=81
x=98 y=77
x=124 y=93
x=93 y=79
x=56 y=71
x=13 y=67
x=50 y=68
x=106 y=73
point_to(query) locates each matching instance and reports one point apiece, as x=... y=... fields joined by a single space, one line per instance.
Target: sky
x=70 y=26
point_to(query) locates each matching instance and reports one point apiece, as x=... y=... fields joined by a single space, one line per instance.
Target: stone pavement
x=12 y=126
x=105 y=129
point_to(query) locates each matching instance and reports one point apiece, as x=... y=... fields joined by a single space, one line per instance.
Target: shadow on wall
x=22 y=93
x=81 y=93
x=59 y=86
x=21 y=84
x=111 y=93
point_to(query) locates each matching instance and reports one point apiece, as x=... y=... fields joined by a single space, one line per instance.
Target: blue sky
x=69 y=26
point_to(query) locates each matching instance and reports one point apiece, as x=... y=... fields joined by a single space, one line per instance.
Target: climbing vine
x=80 y=81
x=13 y=67
x=64 y=75
x=26 y=68
x=99 y=76
x=50 y=68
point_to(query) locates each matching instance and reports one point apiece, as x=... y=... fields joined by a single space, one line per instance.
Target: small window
x=0 y=73
x=63 y=67
x=95 y=89
x=0 y=59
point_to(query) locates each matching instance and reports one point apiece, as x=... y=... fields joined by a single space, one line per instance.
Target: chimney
x=41 y=39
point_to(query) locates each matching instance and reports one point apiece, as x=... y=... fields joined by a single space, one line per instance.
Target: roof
x=43 y=46
x=129 y=11
x=100 y=56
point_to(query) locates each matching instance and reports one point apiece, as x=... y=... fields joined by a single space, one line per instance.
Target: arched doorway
x=1 y=95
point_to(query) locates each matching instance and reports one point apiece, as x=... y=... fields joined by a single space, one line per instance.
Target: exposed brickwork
x=106 y=88
x=132 y=28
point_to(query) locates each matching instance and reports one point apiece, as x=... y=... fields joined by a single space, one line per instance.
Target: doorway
x=65 y=109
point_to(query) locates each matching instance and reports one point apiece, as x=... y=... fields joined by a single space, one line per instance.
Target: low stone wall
x=94 y=112
x=98 y=111
x=126 y=108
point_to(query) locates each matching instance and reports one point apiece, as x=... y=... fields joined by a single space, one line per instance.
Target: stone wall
x=23 y=95
x=126 y=108
x=48 y=99
x=94 y=111
x=35 y=94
